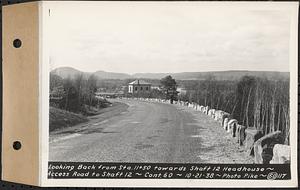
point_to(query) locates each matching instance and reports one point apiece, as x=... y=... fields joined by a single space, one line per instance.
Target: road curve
x=148 y=132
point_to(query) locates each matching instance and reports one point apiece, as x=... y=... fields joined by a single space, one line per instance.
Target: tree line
x=75 y=94
x=254 y=102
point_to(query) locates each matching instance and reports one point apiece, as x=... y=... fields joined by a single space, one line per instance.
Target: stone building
x=139 y=87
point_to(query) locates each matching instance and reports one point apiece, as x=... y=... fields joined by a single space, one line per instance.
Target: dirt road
x=147 y=132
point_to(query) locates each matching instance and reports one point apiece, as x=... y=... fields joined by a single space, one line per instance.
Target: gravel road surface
x=140 y=131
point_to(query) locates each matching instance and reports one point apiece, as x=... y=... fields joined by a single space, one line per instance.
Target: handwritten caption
x=60 y=170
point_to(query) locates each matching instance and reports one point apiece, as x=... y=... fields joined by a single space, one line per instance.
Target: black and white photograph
x=169 y=83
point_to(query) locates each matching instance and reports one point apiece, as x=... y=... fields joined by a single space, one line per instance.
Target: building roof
x=139 y=82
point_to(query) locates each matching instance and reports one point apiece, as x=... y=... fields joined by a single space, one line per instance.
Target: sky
x=167 y=37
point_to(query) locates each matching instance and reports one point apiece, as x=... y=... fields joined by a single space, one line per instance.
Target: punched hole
x=17 y=145
x=17 y=43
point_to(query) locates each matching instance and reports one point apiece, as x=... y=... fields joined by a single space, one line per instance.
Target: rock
x=281 y=154
x=211 y=112
x=195 y=106
x=181 y=103
x=225 y=126
x=192 y=105
x=201 y=108
x=263 y=147
x=241 y=135
x=232 y=127
x=252 y=135
x=218 y=115
x=224 y=115
x=205 y=110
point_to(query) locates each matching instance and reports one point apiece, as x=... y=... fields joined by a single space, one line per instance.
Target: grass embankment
x=60 y=119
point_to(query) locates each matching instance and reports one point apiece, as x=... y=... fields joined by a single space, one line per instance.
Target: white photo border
x=44 y=105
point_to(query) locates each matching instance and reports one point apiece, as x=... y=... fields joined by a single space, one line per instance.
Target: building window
x=135 y=88
x=147 y=88
x=141 y=88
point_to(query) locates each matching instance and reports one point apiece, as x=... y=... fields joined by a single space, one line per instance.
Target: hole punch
x=17 y=145
x=17 y=43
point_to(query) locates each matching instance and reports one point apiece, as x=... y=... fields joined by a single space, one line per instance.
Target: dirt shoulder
x=104 y=114
x=218 y=146
x=59 y=118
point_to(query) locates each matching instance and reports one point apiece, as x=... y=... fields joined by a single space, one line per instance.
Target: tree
x=245 y=97
x=79 y=83
x=169 y=87
x=56 y=90
x=91 y=89
x=55 y=81
x=70 y=100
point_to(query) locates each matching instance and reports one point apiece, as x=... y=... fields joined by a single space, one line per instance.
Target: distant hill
x=66 y=72
x=218 y=75
x=110 y=75
x=151 y=75
x=69 y=72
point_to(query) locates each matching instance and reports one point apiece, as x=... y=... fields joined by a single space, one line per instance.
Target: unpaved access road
x=141 y=131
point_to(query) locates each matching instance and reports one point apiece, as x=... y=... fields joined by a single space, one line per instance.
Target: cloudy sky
x=167 y=37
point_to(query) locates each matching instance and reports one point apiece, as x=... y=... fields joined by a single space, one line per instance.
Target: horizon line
x=171 y=72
